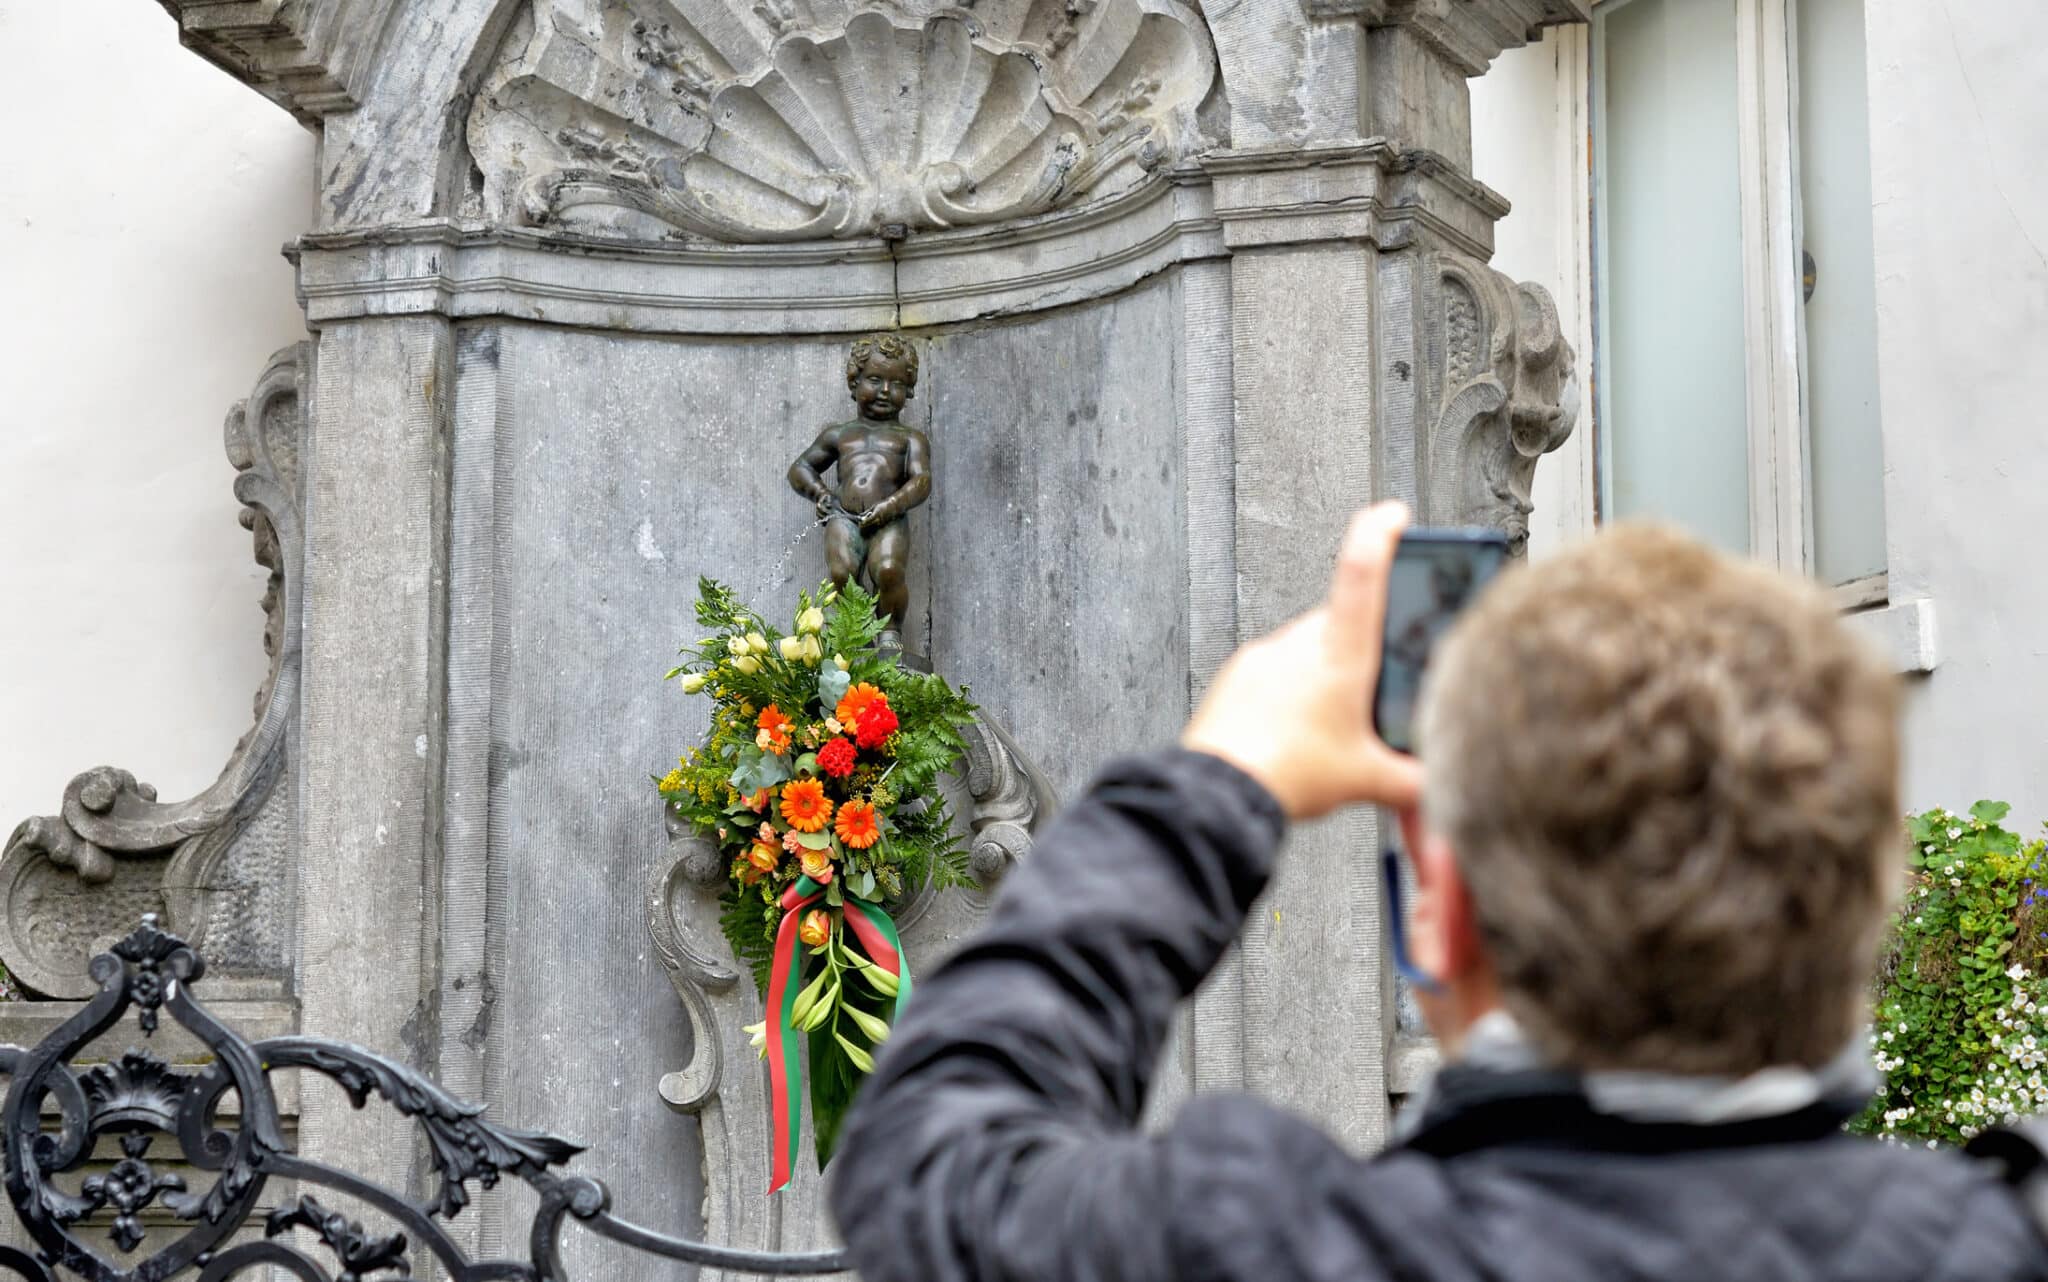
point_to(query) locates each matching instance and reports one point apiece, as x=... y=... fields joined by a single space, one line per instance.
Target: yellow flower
x=792 y=649
x=816 y=928
x=693 y=682
x=839 y=662
x=811 y=620
x=673 y=782
x=748 y=664
x=817 y=865
x=736 y=646
x=813 y=651
x=757 y=643
x=758 y=1035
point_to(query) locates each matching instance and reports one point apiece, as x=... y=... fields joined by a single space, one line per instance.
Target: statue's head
x=881 y=372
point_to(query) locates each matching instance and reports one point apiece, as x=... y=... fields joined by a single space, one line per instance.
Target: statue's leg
x=844 y=549
x=889 y=564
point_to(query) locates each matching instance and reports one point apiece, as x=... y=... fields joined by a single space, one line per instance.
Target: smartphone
x=1436 y=573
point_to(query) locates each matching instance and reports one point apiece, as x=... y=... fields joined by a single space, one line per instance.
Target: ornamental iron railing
x=139 y=1097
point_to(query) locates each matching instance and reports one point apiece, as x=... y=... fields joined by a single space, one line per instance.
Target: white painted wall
x=1960 y=198
x=141 y=191
x=141 y=306
x=1959 y=126
x=1528 y=144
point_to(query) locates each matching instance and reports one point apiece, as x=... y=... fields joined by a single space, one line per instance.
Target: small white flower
x=1955 y=881
x=1887 y=1034
x=1954 y=833
x=2016 y=971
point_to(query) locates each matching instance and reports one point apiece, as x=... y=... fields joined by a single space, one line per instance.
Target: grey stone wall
x=1245 y=294
x=618 y=468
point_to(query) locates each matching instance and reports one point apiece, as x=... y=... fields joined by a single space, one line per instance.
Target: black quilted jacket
x=996 y=1141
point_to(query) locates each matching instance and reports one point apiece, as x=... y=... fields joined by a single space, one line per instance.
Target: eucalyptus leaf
x=814 y=840
x=758 y=770
x=832 y=685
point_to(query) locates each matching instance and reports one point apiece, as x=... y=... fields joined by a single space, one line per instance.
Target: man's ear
x=1444 y=931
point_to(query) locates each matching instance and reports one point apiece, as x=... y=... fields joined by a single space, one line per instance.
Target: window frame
x=1774 y=314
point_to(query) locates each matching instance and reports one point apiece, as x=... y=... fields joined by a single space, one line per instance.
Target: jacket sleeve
x=997 y=1138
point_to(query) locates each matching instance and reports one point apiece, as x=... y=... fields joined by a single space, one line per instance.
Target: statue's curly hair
x=890 y=347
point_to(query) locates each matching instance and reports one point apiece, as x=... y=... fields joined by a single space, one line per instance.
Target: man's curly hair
x=1671 y=782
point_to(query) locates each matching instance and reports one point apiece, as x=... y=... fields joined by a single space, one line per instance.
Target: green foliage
x=1961 y=1004
x=855 y=625
x=748 y=916
x=778 y=756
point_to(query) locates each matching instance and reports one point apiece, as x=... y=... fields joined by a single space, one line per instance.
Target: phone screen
x=1435 y=574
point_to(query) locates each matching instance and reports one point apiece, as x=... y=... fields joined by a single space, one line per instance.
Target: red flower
x=836 y=758
x=856 y=825
x=877 y=724
x=856 y=701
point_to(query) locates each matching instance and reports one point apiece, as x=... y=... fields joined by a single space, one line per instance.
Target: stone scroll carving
x=72 y=881
x=1510 y=396
x=812 y=119
x=1002 y=798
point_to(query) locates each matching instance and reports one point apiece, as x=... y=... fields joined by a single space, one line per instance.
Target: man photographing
x=1655 y=835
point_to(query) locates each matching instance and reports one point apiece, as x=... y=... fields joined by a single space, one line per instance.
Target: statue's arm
x=916 y=487
x=806 y=475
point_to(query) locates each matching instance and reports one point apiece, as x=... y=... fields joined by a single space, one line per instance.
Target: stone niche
x=1189 y=283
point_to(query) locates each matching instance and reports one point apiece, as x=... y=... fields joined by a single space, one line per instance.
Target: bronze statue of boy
x=884 y=471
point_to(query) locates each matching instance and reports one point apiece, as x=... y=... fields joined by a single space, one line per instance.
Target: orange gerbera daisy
x=856 y=825
x=774 y=730
x=805 y=806
x=856 y=701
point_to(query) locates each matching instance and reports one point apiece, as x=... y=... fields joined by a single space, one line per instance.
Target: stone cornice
x=1366 y=191
x=1226 y=202
x=310 y=57
x=1470 y=34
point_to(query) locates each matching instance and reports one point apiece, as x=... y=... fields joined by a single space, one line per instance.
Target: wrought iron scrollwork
x=139 y=1097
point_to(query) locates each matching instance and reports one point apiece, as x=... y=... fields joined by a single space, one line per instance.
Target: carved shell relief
x=811 y=119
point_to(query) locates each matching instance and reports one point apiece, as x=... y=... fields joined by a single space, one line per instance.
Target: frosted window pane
x=1841 y=319
x=1674 y=407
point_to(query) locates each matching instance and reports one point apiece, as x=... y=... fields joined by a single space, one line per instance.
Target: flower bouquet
x=818 y=782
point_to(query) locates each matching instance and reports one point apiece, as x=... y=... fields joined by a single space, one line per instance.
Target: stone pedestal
x=1191 y=285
